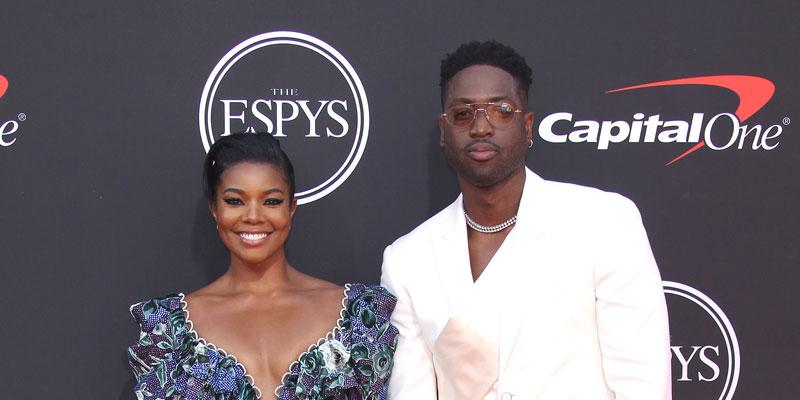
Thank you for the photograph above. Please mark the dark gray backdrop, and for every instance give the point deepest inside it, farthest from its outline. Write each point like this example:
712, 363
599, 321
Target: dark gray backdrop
101, 202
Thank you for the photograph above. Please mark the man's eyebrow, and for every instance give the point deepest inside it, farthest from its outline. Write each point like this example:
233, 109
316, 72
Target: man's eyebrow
467, 100
496, 98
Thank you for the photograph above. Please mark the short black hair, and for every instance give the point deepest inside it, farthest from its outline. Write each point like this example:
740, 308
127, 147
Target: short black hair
490, 52
237, 148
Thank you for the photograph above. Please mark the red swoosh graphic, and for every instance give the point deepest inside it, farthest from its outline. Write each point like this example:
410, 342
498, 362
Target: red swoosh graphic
753, 92
3, 85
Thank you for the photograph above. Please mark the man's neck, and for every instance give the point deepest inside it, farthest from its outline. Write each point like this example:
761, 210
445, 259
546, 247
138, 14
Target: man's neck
493, 204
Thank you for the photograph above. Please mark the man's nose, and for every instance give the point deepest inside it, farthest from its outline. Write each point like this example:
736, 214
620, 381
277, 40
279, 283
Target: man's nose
481, 126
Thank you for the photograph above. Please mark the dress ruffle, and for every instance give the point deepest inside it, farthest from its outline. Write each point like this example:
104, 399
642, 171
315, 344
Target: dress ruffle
353, 361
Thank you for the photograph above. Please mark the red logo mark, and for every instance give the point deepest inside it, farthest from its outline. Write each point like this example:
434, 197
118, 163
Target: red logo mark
753, 91
3, 85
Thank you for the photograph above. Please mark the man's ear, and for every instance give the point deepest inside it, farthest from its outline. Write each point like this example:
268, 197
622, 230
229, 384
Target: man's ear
529, 125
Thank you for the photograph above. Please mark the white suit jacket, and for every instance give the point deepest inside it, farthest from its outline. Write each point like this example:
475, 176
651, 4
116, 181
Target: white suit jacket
584, 315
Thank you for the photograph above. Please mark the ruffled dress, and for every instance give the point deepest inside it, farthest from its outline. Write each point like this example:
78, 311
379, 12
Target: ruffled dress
353, 361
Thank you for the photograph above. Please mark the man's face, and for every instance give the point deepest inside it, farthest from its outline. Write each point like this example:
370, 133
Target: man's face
480, 153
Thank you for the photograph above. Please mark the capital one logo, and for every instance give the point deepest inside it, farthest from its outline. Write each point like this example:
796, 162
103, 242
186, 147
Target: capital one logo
303, 92
718, 132
705, 349
9, 128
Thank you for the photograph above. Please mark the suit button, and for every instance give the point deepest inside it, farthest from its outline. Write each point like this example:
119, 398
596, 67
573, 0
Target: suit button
507, 396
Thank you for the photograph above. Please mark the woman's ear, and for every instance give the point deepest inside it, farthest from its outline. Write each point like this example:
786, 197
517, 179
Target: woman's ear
213, 209
293, 206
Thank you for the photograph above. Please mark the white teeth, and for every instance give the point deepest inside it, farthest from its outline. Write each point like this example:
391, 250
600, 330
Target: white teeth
253, 236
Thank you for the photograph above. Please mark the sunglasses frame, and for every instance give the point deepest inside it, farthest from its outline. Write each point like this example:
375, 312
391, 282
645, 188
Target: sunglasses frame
475, 110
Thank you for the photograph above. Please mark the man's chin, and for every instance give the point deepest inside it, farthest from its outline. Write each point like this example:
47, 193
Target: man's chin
481, 179
485, 177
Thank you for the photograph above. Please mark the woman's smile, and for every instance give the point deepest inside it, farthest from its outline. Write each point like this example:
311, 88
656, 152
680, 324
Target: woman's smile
253, 238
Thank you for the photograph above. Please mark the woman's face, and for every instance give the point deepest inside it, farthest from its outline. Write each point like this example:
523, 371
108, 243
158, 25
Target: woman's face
253, 212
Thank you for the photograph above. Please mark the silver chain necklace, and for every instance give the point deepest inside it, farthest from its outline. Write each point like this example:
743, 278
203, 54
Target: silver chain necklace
489, 229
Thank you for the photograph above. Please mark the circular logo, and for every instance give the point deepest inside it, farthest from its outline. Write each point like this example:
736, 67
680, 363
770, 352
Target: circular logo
303, 92
705, 350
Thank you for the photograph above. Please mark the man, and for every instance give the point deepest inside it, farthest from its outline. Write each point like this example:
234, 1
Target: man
522, 288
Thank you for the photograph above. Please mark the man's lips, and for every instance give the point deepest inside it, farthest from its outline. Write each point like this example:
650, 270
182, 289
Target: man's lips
481, 151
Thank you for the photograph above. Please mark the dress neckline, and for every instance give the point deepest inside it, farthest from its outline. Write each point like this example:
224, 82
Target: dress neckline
328, 336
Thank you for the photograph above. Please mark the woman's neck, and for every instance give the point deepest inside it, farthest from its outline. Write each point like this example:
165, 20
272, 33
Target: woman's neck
274, 273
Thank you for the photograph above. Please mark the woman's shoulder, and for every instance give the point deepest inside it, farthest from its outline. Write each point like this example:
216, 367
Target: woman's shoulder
368, 335
367, 311
149, 312
163, 327
164, 301
359, 294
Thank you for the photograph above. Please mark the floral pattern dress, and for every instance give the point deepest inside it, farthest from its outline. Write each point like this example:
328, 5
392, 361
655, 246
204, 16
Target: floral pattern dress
353, 361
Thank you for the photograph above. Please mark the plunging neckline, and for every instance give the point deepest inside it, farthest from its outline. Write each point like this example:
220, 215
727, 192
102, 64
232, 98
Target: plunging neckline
328, 336
499, 254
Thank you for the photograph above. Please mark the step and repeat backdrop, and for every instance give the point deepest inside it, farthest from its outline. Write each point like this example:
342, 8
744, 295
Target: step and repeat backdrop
107, 110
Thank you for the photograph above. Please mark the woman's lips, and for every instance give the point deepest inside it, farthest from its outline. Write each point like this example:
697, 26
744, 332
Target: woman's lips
253, 238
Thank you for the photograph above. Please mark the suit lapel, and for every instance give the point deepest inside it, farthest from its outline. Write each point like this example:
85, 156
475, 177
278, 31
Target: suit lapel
526, 272
452, 257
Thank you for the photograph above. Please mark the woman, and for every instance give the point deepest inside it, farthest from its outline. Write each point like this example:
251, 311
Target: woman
263, 311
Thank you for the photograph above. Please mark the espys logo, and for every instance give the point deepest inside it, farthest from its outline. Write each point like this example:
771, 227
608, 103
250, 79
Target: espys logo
705, 350
302, 91
9, 127
719, 132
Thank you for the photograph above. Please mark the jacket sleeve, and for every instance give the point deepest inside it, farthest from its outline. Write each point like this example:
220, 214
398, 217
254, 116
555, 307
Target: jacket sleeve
631, 311
413, 376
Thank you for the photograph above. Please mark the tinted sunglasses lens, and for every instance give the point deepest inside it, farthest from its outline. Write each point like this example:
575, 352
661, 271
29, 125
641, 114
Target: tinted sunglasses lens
501, 114
461, 116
